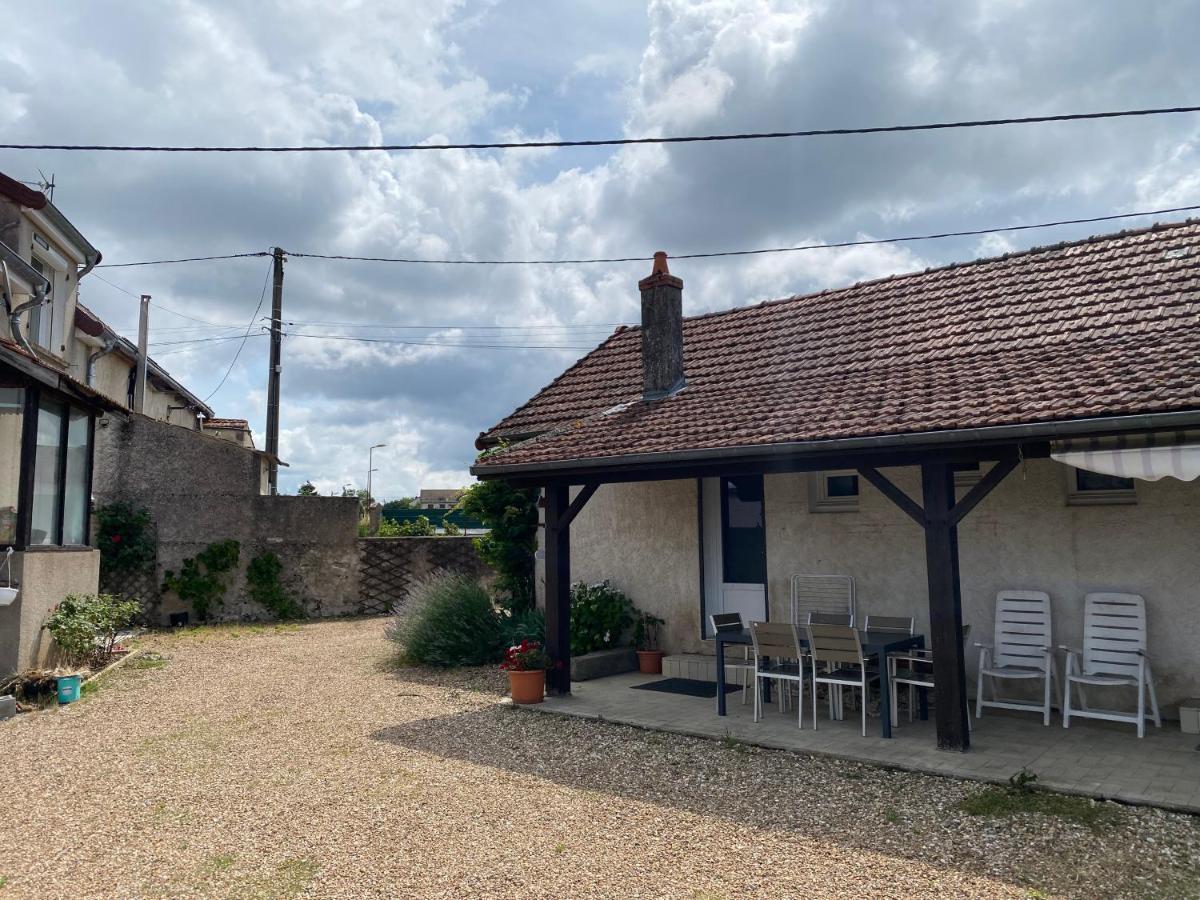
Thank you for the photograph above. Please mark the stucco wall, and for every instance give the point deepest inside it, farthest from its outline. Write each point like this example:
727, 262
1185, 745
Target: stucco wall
199, 490
45, 578
1024, 535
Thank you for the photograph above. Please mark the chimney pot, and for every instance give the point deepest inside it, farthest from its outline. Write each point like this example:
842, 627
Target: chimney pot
662, 331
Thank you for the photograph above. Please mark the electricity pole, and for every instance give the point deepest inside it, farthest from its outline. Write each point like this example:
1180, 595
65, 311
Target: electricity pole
273, 375
139, 393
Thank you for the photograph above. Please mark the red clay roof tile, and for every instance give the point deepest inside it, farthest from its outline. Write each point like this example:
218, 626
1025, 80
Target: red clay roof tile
1105, 326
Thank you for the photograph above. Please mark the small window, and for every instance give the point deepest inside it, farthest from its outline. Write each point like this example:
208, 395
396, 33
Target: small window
966, 474
1086, 488
833, 491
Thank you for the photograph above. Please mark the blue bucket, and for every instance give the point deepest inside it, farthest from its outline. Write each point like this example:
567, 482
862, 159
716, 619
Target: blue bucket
68, 688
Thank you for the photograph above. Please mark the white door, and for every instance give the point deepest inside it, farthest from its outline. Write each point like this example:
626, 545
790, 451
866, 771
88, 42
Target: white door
735, 559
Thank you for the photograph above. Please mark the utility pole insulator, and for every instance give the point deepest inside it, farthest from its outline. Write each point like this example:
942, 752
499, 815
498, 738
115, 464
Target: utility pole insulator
274, 371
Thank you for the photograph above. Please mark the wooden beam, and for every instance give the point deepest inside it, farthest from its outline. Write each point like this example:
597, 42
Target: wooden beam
982, 488
893, 493
945, 607
579, 502
558, 588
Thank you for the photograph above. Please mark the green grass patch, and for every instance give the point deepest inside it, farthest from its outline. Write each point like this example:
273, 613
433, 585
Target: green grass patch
146, 661
998, 801
291, 876
3, 881
222, 862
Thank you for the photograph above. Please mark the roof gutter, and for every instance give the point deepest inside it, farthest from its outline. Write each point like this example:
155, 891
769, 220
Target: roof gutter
91, 256
993, 434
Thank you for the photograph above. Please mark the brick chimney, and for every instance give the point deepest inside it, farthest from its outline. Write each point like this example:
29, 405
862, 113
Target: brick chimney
662, 331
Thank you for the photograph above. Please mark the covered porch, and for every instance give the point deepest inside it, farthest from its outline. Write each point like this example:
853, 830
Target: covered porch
1093, 759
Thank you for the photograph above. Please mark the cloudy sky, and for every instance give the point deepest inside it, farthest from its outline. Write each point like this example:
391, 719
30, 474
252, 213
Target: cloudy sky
306, 72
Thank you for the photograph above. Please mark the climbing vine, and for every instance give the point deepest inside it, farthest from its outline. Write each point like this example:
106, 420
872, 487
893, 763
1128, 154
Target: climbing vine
262, 581
126, 539
201, 581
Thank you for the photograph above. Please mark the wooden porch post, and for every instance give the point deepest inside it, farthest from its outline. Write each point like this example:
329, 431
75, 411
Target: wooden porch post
945, 606
558, 588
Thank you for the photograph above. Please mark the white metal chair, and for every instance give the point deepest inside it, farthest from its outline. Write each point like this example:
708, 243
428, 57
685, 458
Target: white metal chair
821, 594
839, 649
780, 643
1021, 650
1113, 655
744, 666
915, 669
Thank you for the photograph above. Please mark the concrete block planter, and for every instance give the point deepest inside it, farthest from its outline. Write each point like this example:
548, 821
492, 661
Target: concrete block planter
603, 663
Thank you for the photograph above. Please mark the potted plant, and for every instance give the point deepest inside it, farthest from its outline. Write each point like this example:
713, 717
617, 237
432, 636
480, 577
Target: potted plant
645, 639
526, 665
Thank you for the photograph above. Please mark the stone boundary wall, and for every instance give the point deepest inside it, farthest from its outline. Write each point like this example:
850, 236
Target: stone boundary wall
388, 567
200, 489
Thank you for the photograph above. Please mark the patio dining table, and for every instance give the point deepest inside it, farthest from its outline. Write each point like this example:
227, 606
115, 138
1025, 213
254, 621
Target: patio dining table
876, 644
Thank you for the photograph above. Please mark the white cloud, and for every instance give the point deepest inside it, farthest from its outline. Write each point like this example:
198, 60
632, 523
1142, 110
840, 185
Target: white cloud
181, 71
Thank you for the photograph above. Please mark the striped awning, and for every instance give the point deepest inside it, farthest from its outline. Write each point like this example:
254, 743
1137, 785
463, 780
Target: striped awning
1146, 457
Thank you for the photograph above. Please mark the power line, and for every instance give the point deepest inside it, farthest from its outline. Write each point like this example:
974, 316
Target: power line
412, 343
205, 340
246, 336
616, 142
164, 262
866, 242
601, 326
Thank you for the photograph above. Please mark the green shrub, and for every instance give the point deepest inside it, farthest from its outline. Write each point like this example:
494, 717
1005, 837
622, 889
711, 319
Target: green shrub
527, 625
388, 527
85, 626
600, 617
201, 580
262, 583
418, 527
449, 620
125, 537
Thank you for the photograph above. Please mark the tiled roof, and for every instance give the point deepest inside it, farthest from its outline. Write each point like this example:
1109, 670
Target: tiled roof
1105, 326
231, 424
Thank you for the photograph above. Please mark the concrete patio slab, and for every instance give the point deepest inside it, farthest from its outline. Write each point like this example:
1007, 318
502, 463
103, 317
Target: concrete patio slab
1094, 759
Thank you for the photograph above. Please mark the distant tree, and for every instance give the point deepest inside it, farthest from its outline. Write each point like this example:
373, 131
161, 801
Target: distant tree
308, 489
401, 503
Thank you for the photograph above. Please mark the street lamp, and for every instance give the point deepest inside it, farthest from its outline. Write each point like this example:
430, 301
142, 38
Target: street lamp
370, 469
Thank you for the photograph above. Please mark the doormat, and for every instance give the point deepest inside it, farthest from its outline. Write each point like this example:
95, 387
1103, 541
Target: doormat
688, 686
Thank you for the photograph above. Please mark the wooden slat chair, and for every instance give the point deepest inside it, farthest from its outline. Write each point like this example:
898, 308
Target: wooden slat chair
778, 657
915, 669
892, 624
828, 618
744, 666
1021, 650
1113, 655
838, 650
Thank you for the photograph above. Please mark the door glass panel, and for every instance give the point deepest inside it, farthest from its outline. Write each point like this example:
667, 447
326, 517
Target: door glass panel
76, 487
46, 487
12, 407
743, 536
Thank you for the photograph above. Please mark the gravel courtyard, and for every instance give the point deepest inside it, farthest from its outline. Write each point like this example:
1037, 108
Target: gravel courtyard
297, 761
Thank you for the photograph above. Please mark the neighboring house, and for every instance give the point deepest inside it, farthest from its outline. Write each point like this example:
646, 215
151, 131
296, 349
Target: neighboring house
438, 498
67, 432
236, 430
47, 420
729, 451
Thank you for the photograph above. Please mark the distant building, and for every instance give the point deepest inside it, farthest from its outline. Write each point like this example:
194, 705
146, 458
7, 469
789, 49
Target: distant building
236, 430
439, 498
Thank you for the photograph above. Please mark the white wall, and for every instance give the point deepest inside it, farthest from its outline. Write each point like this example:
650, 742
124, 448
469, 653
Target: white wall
643, 537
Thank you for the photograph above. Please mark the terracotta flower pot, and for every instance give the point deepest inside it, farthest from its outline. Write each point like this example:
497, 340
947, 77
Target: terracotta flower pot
527, 687
650, 662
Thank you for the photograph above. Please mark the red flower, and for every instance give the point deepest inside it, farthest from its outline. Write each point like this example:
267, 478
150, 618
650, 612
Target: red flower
116, 539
